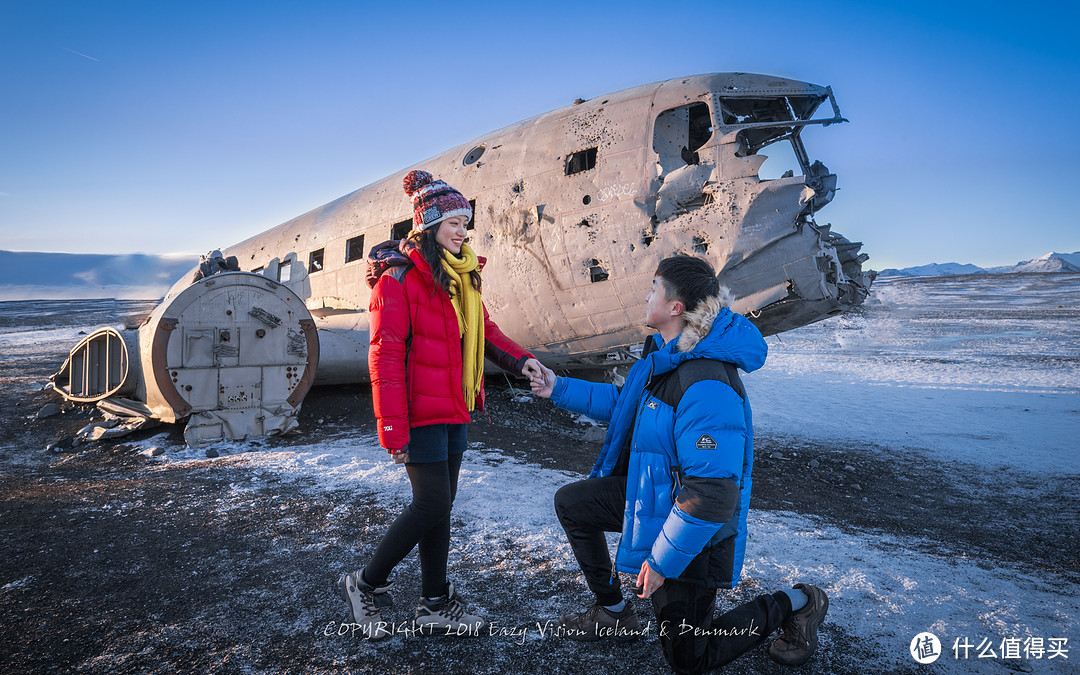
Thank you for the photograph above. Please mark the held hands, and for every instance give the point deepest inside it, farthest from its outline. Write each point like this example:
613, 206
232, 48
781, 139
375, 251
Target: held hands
543, 383
648, 580
531, 369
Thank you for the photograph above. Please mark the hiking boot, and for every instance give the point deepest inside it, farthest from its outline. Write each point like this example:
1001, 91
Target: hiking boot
798, 635
364, 602
446, 616
597, 622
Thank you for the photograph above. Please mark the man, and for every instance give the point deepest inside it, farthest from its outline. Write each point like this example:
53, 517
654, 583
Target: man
674, 478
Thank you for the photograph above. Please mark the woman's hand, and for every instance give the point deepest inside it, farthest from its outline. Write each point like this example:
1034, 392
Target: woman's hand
531, 369
543, 385
400, 455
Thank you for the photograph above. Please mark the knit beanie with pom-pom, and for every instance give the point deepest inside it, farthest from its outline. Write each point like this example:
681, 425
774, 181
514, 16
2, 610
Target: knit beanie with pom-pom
433, 200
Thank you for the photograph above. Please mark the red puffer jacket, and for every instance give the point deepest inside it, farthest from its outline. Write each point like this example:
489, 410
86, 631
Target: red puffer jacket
415, 356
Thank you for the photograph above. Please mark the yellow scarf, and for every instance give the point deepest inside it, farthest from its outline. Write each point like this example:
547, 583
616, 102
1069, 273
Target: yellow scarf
470, 316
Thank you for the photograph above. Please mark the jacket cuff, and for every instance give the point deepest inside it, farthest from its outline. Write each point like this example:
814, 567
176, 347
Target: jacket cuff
521, 363
559, 390
682, 538
393, 432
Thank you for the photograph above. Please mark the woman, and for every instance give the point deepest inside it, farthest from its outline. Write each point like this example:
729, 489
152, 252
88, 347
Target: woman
430, 333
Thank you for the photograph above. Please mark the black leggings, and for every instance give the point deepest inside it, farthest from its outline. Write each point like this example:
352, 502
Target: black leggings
425, 523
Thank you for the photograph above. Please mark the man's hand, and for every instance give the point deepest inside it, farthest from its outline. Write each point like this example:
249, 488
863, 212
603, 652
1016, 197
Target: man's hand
544, 384
648, 580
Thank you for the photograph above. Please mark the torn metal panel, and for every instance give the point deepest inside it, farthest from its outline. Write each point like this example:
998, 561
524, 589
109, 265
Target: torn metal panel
124, 407
683, 189
115, 426
209, 426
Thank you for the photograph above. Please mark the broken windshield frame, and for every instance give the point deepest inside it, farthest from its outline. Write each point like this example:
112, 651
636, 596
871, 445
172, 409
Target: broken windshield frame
763, 120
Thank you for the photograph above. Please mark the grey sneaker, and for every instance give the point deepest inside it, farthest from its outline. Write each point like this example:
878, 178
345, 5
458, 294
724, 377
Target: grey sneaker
364, 603
798, 635
446, 616
597, 622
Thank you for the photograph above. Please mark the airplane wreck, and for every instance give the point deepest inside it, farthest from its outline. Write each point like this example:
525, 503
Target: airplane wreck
573, 209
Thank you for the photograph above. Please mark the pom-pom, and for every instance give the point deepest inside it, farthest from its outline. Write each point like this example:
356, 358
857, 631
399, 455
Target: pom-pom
416, 180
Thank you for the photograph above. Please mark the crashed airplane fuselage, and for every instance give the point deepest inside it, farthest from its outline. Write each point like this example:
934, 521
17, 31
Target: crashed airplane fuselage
573, 209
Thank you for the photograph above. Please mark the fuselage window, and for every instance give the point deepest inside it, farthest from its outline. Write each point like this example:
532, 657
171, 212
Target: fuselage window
315, 261
354, 249
401, 230
474, 155
581, 161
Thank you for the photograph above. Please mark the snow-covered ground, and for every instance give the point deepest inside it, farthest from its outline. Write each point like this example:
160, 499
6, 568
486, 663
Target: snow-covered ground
978, 369
985, 370
884, 590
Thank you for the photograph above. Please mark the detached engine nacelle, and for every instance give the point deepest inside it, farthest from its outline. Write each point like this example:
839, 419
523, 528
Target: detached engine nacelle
234, 353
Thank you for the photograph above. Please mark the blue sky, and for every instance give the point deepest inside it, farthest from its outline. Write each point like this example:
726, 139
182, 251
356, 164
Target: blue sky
159, 127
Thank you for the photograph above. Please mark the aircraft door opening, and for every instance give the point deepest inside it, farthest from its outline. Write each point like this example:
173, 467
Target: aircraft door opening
678, 134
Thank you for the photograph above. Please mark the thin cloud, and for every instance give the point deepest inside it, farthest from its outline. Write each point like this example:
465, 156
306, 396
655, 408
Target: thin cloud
79, 54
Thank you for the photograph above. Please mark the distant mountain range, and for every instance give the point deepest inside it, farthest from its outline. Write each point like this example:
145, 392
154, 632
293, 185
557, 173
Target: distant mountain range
71, 276
1051, 262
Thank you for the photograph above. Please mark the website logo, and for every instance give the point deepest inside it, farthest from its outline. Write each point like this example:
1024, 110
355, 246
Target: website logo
925, 648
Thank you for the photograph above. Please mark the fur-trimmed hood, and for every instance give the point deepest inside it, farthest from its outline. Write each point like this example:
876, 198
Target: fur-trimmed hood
713, 331
700, 321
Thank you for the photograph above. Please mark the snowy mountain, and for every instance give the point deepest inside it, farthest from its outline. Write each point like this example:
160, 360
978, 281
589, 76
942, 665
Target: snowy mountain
933, 270
60, 276
1049, 263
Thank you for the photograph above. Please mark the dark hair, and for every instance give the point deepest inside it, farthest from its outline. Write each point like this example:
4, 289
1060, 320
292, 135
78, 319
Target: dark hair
433, 254
687, 278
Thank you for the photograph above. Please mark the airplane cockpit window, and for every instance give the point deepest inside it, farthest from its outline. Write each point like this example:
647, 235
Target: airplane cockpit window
780, 162
678, 134
354, 249
581, 161
315, 261
769, 121
764, 119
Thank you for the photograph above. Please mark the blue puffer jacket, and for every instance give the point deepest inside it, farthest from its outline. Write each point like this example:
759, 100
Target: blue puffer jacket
691, 453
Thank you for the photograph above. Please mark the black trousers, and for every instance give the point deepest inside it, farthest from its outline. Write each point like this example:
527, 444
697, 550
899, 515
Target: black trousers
693, 640
424, 524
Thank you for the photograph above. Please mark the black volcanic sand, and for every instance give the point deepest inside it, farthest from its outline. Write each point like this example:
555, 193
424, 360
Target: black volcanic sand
117, 563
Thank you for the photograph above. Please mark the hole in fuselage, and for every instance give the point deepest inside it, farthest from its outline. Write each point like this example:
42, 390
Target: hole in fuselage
597, 271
